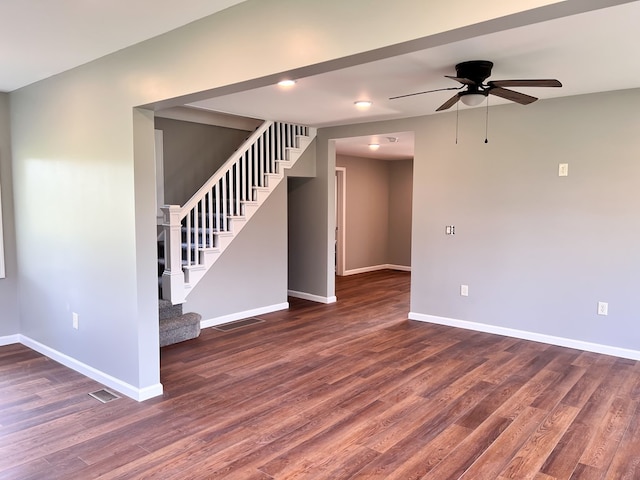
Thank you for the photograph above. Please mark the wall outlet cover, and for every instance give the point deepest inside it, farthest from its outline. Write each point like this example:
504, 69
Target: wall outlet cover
563, 170
603, 308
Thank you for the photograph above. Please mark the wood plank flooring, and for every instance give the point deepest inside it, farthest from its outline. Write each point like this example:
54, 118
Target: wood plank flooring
349, 390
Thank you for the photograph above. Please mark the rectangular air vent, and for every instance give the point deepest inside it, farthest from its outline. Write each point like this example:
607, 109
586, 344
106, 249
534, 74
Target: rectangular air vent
104, 395
238, 324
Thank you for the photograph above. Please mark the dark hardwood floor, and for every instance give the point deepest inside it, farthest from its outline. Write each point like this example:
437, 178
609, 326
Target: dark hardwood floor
349, 390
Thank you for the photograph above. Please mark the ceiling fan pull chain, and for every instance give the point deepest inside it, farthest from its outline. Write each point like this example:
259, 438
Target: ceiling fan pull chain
457, 112
486, 124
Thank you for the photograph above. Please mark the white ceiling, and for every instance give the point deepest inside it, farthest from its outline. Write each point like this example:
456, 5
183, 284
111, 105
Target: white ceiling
589, 52
40, 38
392, 146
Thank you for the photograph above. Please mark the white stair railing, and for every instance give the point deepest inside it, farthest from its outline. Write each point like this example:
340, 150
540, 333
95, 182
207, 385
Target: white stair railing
196, 233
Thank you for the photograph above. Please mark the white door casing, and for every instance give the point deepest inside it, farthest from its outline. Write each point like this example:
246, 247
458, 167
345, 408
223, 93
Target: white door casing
340, 213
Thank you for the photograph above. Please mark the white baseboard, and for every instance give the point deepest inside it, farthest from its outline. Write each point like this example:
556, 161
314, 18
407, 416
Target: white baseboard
139, 394
9, 340
536, 337
375, 268
212, 322
402, 268
311, 297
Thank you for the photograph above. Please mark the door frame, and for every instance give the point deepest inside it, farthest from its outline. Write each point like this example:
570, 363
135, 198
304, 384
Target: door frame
340, 213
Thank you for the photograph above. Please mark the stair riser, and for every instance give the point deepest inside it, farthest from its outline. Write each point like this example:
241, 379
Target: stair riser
166, 310
179, 328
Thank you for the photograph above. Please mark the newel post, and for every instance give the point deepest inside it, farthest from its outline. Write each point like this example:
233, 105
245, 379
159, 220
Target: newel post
173, 277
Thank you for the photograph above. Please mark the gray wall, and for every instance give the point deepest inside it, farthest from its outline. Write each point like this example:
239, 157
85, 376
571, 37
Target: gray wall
192, 153
367, 211
8, 294
400, 209
311, 226
252, 271
83, 164
378, 212
538, 251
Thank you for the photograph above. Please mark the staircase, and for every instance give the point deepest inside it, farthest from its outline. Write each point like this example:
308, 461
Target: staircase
174, 325
196, 234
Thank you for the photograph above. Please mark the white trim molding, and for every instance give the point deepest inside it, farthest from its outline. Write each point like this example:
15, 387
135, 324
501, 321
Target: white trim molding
232, 317
341, 219
312, 298
375, 268
523, 334
159, 154
9, 340
139, 394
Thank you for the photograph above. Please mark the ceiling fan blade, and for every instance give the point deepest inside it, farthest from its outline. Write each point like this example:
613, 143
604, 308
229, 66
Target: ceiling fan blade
464, 81
426, 91
547, 82
449, 103
512, 95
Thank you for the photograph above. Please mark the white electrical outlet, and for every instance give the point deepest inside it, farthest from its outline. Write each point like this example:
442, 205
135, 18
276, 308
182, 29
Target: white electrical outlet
464, 290
603, 308
563, 170
76, 320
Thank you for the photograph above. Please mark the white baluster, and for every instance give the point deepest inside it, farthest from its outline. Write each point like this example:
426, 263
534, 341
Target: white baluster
250, 155
189, 229
202, 237
236, 193
266, 142
210, 218
256, 163
216, 189
260, 171
281, 141
243, 178
224, 203
273, 135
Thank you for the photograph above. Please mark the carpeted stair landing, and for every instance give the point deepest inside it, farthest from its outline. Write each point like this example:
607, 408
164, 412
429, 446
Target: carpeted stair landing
175, 326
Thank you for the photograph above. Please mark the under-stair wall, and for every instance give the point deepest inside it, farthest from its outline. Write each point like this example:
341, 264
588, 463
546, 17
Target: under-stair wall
251, 278
197, 233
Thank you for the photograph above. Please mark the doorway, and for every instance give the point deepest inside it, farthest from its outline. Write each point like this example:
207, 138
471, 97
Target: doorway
373, 204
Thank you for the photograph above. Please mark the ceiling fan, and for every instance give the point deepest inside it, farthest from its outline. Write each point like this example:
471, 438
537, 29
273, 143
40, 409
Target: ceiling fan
473, 91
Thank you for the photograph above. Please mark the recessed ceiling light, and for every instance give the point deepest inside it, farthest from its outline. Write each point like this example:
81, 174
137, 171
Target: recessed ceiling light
374, 146
286, 83
363, 104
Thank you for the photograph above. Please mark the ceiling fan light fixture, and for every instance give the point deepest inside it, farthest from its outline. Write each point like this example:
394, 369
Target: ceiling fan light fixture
363, 104
472, 99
